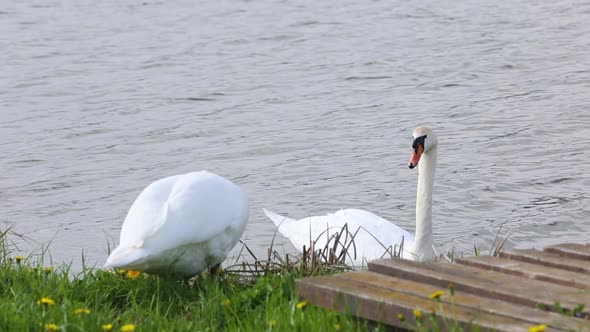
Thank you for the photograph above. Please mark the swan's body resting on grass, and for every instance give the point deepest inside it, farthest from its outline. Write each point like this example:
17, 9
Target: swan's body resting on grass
375, 234
180, 225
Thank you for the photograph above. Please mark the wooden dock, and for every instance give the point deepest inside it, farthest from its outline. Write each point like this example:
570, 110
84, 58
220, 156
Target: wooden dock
512, 292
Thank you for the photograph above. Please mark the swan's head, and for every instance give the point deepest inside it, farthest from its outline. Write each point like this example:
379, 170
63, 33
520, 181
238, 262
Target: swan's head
424, 141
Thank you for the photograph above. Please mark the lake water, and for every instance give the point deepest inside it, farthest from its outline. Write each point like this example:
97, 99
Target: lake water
308, 105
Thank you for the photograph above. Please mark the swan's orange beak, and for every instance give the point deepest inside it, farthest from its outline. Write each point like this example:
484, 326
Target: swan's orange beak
415, 156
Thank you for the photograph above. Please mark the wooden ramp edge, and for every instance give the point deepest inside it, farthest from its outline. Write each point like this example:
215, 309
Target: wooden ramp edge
573, 250
503, 293
529, 271
546, 259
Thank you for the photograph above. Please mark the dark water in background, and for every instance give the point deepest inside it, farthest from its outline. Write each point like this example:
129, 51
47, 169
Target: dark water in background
308, 105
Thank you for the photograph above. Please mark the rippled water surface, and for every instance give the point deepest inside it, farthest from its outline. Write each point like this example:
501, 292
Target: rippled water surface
308, 105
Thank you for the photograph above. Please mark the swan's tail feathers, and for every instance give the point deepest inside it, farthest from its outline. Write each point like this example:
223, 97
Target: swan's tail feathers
277, 219
124, 258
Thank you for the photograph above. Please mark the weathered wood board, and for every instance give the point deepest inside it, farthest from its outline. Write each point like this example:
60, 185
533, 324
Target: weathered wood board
511, 292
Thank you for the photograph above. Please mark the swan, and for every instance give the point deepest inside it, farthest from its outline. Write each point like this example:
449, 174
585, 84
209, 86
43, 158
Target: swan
180, 225
376, 234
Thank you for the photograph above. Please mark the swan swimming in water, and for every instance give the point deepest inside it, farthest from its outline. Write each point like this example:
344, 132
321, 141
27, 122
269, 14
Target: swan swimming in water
180, 225
376, 234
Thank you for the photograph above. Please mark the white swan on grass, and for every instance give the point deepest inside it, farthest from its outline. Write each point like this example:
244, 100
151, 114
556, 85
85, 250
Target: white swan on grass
375, 235
180, 225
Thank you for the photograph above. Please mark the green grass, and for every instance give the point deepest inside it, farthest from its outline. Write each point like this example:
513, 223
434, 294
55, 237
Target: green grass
206, 303
263, 301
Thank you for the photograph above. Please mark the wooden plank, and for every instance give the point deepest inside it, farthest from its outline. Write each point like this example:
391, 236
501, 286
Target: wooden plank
573, 250
382, 305
529, 270
485, 283
547, 259
533, 316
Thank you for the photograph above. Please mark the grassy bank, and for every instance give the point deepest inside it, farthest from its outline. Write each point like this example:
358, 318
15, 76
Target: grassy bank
257, 296
37, 297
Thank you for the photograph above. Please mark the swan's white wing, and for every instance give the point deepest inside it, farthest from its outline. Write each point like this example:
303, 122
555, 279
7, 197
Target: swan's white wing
386, 231
377, 236
147, 212
373, 235
185, 209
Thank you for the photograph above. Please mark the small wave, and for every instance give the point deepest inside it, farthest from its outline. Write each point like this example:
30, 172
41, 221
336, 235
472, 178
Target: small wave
354, 78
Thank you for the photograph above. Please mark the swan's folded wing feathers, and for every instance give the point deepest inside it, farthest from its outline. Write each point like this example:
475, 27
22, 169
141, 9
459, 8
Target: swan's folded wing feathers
200, 206
372, 222
277, 219
377, 234
147, 212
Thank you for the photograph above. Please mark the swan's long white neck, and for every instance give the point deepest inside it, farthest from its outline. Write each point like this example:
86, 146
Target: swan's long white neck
423, 243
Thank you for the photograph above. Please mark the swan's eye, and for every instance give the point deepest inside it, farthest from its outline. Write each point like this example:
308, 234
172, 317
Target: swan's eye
418, 141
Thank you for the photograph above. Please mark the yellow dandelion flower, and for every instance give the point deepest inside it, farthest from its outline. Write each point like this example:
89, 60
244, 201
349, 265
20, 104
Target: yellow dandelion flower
46, 301
80, 311
401, 317
107, 327
337, 327
132, 274
51, 327
225, 303
537, 328
302, 304
48, 269
128, 328
18, 259
417, 313
436, 295
271, 323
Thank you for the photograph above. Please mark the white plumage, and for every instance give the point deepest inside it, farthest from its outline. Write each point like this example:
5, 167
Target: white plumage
181, 225
376, 237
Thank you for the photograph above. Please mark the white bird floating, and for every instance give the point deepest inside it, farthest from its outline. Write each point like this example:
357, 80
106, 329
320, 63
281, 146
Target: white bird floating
180, 225
375, 237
